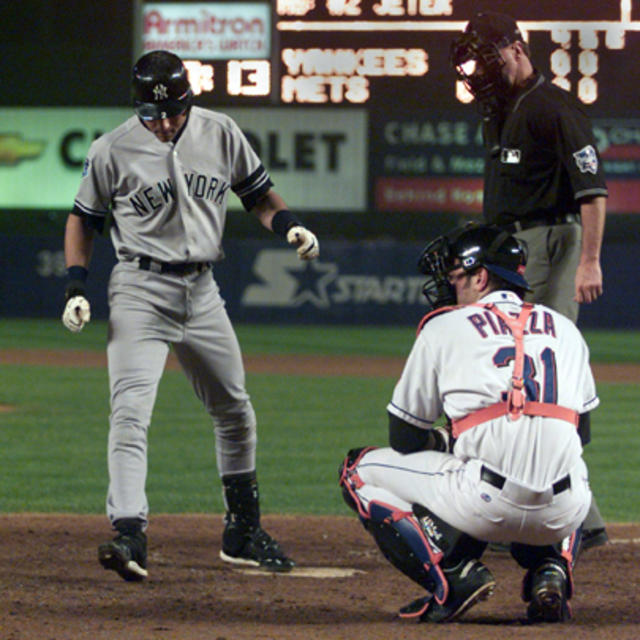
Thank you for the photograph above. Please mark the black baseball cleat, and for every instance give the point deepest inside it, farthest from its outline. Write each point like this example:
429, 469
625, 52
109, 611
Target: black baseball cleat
253, 547
469, 583
548, 594
126, 554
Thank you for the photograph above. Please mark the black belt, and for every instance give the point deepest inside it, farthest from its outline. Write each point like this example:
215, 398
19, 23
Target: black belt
177, 268
497, 481
544, 221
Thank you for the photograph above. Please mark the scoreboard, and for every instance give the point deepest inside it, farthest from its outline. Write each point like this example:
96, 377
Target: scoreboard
372, 52
374, 77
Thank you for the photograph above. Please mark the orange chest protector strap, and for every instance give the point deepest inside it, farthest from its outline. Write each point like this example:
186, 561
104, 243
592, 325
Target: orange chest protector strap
516, 403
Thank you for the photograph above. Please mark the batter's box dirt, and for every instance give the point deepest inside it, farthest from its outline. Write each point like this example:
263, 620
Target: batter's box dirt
53, 587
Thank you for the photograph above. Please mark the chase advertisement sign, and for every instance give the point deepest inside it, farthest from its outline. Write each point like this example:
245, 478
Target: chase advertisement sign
434, 162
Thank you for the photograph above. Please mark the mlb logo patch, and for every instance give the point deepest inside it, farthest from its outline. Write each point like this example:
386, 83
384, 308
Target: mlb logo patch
586, 159
510, 156
85, 167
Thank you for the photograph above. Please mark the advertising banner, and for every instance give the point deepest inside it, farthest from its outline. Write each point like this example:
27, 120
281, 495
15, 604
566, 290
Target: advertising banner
209, 30
434, 163
317, 159
365, 283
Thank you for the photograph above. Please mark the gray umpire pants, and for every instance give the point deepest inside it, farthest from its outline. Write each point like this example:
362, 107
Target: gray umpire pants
148, 312
554, 254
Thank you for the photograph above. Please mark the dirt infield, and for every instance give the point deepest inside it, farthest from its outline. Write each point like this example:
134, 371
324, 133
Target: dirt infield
53, 587
304, 365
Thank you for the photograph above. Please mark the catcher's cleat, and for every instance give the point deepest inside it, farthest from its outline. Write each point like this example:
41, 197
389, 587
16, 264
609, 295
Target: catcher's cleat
253, 547
469, 583
126, 554
548, 595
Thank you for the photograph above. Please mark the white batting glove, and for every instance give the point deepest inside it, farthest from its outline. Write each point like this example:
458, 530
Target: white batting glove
76, 313
306, 241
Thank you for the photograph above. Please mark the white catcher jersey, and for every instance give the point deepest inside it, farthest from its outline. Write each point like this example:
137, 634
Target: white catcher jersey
462, 361
169, 199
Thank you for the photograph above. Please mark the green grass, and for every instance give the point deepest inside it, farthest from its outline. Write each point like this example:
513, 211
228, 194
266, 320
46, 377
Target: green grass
605, 346
254, 339
53, 446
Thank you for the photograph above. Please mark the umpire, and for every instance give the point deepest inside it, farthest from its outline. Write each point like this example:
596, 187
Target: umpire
543, 179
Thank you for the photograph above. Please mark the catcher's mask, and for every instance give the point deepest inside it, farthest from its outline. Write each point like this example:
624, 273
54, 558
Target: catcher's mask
471, 247
475, 56
160, 86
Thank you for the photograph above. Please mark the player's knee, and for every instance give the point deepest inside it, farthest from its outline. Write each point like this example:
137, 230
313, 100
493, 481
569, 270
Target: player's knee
127, 433
238, 416
349, 480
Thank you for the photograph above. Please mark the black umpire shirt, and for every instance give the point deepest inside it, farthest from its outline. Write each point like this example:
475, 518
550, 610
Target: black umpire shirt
546, 159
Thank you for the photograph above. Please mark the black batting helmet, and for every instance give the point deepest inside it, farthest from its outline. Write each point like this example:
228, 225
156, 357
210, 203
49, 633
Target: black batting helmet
470, 247
160, 86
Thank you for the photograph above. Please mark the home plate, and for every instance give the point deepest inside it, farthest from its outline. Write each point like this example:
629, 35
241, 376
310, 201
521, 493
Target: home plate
305, 572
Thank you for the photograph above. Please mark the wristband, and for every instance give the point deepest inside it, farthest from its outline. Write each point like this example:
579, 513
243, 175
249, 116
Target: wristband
282, 221
77, 273
76, 280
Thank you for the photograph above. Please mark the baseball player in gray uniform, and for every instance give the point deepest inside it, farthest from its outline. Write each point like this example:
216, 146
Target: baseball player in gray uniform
513, 380
164, 176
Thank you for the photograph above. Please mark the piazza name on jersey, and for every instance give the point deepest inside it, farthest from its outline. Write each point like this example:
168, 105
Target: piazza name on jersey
488, 323
199, 186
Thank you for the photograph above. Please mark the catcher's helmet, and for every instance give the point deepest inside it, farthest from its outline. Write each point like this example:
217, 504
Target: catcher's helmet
471, 247
161, 87
475, 54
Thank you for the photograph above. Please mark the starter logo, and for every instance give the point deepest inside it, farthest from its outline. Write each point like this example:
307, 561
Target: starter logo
285, 281
289, 282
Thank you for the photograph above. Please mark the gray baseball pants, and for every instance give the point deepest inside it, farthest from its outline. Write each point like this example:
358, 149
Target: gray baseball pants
148, 312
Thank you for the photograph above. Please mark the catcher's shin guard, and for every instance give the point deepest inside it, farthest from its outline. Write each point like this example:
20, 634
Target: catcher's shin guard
405, 544
455, 545
398, 534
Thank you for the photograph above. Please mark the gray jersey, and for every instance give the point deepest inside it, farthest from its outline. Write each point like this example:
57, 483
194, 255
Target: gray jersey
169, 199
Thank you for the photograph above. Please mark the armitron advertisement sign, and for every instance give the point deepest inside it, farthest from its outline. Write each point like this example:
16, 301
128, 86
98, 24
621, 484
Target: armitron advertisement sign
208, 30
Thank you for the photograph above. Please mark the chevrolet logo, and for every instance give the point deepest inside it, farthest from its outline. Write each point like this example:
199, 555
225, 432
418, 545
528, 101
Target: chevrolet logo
14, 149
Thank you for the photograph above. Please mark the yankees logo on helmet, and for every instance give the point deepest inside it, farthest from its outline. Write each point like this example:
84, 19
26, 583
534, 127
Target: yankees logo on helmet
160, 92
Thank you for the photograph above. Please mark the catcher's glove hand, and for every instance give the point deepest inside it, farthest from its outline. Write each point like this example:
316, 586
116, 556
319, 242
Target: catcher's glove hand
305, 240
